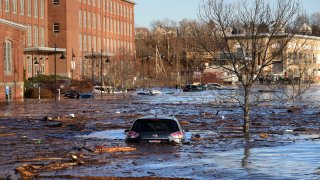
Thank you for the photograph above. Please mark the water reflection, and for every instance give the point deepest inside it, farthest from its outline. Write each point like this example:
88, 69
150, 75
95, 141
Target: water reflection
245, 159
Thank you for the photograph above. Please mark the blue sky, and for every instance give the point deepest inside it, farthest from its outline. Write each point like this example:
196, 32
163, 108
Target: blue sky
148, 10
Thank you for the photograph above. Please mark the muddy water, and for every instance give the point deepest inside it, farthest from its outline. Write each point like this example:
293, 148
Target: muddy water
289, 150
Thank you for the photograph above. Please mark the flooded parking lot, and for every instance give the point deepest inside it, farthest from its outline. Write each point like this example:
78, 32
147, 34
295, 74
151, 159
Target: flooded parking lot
283, 145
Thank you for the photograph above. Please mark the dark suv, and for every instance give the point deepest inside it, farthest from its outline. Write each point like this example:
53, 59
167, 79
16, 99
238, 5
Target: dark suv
156, 129
193, 88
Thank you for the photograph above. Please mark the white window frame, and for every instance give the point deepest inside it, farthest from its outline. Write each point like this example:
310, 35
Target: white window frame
42, 37
36, 35
29, 8
35, 6
14, 6
80, 18
22, 7
7, 56
7, 5
42, 9
84, 19
29, 36
80, 41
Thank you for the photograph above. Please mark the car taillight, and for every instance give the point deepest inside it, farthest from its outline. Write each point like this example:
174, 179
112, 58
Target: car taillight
133, 134
177, 135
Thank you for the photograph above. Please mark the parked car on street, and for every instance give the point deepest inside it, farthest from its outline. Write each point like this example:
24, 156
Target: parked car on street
193, 88
156, 129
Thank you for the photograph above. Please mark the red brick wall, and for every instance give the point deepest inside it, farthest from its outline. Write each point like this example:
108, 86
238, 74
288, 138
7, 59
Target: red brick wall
15, 81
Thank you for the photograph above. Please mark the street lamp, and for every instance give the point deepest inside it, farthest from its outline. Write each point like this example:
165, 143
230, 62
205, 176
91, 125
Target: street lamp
109, 78
73, 64
33, 63
55, 69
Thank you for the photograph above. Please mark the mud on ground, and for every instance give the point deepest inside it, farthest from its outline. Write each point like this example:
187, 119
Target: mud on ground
43, 139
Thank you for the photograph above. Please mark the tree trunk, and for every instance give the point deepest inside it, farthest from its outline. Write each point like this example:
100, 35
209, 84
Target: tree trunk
246, 111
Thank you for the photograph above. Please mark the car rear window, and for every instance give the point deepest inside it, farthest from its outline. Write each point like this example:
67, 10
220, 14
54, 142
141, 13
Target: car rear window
150, 125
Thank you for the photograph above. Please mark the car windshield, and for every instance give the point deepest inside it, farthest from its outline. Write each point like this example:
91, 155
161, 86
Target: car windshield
147, 125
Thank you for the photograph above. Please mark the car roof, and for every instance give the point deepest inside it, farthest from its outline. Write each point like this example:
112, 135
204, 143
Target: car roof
156, 117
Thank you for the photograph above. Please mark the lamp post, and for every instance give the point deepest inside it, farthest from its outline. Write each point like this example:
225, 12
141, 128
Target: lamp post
73, 65
109, 81
55, 71
36, 63
101, 72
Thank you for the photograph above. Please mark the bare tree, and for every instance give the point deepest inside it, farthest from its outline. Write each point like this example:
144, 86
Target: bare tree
245, 34
122, 70
315, 23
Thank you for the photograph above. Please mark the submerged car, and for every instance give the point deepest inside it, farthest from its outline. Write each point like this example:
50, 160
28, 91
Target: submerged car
213, 86
193, 88
72, 94
85, 95
101, 89
156, 129
150, 92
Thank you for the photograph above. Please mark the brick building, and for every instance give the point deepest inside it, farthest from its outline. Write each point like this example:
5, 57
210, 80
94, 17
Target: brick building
11, 72
76, 27
73, 27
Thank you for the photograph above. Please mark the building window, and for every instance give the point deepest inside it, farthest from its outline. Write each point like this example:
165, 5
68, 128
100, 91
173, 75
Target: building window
29, 35
85, 43
80, 18
99, 22
80, 41
43, 66
42, 37
14, 6
41, 9
55, 2
36, 37
104, 23
56, 28
21, 7
99, 43
7, 6
89, 42
94, 21
89, 19
84, 19
7, 57
29, 64
29, 7
94, 43
35, 6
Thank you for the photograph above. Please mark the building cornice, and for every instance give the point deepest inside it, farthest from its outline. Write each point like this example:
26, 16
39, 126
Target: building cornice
129, 1
13, 24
